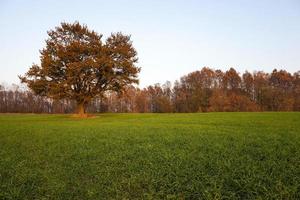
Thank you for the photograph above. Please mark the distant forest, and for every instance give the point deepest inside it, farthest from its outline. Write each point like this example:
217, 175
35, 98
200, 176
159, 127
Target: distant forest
207, 90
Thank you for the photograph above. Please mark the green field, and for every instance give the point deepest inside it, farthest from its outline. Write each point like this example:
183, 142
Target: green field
150, 156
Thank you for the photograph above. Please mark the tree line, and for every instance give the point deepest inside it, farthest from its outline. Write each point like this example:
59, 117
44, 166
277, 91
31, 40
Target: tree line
79, 68
206, 90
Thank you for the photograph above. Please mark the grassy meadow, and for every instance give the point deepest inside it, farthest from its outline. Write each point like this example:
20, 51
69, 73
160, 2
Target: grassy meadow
150, 156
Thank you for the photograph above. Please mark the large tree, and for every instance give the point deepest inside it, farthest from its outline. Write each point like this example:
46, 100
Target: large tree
76, 64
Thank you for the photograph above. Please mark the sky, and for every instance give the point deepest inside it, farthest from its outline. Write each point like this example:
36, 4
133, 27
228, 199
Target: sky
172, 37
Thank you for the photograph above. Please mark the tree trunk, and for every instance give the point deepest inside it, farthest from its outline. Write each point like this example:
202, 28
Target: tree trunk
81, 110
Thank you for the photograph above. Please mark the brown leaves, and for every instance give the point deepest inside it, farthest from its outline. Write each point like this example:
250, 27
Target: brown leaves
76, 64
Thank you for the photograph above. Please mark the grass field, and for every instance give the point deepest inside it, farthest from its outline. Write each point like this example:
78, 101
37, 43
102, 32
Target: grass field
150, 156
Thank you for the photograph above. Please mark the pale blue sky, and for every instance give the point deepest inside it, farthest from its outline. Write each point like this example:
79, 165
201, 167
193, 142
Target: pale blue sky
172, 37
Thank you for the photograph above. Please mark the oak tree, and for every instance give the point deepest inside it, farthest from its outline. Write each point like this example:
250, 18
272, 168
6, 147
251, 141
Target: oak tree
77, 65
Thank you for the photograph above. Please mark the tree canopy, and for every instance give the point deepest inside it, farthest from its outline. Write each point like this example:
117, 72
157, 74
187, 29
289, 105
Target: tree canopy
76, 64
